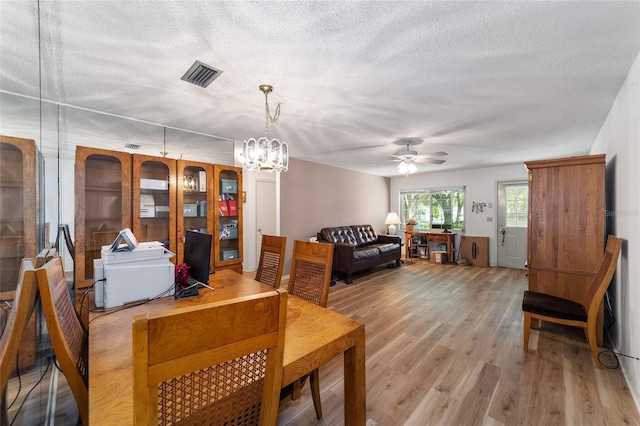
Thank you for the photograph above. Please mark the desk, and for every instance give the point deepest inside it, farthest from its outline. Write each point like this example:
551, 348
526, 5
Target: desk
433, 237
313, 336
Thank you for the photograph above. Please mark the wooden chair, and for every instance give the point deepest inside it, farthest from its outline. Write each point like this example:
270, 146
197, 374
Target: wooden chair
310, 279
215, 364
562, 311
17, 320
66, 331
271, 260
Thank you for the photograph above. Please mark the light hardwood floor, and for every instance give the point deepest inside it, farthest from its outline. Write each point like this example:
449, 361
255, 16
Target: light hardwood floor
444, 347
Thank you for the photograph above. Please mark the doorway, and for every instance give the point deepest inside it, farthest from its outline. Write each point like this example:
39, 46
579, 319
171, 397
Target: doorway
513, 199
265, 212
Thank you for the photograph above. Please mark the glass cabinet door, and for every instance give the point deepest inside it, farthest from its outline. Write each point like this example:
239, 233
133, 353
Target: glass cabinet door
103, 206
154, 200
195, 197
228, 238
18, 216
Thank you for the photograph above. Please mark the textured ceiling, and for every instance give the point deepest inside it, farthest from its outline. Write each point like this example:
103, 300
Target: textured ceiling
488, 82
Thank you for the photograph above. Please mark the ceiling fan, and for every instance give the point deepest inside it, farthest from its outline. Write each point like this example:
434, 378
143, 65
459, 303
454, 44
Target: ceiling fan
407, 157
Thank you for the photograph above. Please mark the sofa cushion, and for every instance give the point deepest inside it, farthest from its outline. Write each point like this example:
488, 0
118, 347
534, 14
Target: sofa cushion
339, 235
366, 253
387, 248
364, 234
552, 306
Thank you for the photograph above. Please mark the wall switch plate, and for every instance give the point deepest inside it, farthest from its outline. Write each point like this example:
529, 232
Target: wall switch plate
489, 219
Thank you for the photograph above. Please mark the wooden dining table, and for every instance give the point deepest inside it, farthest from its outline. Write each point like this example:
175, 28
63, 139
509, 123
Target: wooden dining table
313, 336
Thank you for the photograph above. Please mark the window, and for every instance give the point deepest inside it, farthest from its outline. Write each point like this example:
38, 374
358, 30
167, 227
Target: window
441, 208
516, 204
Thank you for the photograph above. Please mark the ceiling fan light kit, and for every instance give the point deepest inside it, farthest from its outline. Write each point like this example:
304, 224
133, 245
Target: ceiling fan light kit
408, 157
264, 154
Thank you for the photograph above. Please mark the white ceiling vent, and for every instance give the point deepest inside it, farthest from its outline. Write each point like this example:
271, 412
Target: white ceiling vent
132, 146
201, 74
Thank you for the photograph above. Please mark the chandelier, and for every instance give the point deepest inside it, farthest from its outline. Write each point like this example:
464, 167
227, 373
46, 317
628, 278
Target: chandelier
264, 154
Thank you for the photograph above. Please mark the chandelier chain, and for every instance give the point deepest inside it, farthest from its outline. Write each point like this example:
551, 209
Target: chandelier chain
268, 118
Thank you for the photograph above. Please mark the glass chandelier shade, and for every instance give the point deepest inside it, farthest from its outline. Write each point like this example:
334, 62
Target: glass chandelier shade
264, 154
407, 167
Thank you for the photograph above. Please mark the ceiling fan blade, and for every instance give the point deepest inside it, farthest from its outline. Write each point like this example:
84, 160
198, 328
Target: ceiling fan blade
432, 154
429, 160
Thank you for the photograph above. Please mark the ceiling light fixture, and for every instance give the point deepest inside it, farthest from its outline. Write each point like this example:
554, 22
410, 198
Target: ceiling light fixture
406, 167
265, 155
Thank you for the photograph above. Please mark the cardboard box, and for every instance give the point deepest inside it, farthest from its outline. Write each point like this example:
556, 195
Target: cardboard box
475, 250
228, 186
157, 184
228, 254
190, 210
147, 206
202, 181
229, 233
438, 257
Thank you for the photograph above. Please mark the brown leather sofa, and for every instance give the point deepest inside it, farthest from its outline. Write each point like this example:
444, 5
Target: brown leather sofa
358, 247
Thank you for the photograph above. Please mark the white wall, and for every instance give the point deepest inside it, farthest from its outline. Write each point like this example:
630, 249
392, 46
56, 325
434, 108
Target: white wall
315, 196
619, 139
481, 186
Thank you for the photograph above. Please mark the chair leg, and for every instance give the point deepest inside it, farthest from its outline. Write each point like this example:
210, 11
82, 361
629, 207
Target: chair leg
297, 387
4, 418
315, 392
527, 330
593, 341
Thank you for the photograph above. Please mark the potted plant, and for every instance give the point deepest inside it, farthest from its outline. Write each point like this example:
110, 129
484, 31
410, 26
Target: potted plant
410, 225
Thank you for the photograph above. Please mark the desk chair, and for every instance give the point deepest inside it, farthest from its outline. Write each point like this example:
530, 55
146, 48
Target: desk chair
309, 279
18, 318
66, 331
219, 363
562, 311
271, 260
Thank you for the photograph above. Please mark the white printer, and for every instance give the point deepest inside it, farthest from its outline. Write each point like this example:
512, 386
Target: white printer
132, 272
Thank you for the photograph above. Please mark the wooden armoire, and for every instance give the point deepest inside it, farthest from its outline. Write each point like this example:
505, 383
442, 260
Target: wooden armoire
566, 225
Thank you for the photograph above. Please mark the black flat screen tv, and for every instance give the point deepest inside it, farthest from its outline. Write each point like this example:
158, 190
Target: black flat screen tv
197, 255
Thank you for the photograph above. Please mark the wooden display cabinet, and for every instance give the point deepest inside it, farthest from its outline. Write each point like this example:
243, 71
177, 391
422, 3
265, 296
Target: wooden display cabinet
195, 202
102, 206
566, 226
18, 224
228, 229
18, 214
154, 200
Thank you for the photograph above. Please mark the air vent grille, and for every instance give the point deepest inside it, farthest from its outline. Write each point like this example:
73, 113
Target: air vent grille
132, 146
201, 74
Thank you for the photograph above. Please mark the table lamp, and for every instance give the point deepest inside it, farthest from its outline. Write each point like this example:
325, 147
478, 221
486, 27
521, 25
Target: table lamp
392, 221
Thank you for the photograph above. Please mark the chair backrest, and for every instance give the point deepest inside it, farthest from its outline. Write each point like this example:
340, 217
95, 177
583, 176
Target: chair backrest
602, 279
310, 275
17, 320
271, 260
68, 335
219, 363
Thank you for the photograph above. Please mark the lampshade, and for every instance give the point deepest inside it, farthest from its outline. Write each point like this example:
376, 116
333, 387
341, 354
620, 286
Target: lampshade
392, 220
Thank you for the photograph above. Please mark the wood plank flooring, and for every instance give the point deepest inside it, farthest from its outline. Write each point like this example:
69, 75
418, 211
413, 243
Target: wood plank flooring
444, 347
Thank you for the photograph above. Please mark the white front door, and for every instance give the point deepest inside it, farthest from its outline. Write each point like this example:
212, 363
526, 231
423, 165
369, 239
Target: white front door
513, 198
